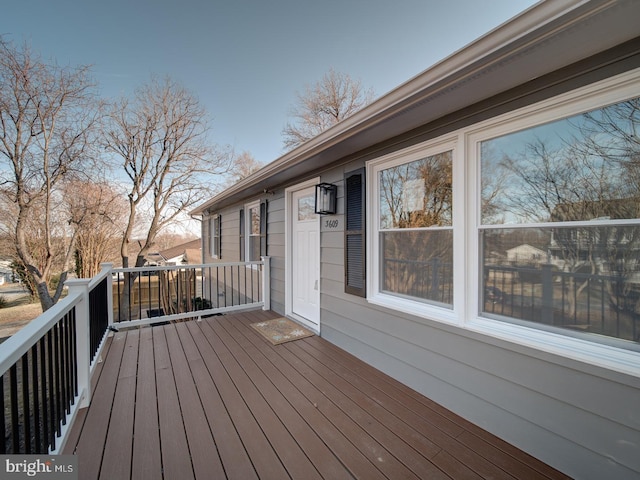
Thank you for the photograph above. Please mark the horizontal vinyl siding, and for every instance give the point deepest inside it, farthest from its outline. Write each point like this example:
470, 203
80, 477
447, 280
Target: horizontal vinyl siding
276, 250
230, 233
579, 419
206, 239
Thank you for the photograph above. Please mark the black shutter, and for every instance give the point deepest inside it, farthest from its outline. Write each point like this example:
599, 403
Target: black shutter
263, 228
354, 234
242, 245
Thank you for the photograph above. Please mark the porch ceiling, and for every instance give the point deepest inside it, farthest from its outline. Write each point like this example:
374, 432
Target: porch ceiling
213, 399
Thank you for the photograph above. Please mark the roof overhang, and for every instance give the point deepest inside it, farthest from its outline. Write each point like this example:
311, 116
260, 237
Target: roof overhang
546, 37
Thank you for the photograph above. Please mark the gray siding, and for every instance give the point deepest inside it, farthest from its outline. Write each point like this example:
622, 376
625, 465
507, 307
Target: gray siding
230, 233
276, 249
275, 243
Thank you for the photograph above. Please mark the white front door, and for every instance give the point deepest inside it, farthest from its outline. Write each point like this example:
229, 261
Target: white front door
305, 258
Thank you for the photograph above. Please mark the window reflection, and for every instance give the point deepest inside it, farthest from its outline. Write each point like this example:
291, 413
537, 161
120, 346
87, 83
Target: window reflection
416, 238
584, 275
306, 208
254, 234
254, 215
417, 194
582, 279
581, 168
418, 264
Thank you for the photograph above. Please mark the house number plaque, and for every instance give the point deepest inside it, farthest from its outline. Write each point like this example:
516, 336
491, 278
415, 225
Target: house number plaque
332, 223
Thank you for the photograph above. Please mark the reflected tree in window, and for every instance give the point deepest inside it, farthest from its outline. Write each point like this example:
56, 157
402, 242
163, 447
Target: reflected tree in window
611, 134
415, 234
581, 177
417, 194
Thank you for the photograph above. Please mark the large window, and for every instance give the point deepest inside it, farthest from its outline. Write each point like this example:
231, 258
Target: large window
525, 226
413, 227
560, 230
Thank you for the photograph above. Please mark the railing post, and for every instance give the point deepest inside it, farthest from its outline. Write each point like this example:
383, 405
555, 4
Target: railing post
266, 285
80, 287
435, 278
109, 266
547, 293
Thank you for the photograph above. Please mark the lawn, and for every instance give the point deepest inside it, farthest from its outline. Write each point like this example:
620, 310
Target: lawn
19, 311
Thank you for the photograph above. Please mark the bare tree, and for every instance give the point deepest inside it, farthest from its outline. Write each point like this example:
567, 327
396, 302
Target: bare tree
100, 212
588, 171
47, 116
324, 104
243, 165
160, 141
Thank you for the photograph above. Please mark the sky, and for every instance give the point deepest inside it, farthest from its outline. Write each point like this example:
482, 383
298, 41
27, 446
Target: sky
245, 60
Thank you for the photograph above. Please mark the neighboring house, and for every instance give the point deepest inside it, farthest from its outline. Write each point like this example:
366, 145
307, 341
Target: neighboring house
526, 253
183, 254
395, 276
6, 273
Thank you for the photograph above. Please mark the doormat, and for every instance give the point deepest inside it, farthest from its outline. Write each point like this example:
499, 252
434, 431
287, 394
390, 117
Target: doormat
281, 330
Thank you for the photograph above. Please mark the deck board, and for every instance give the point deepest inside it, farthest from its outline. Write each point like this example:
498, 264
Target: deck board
284, 444
202, 446
116, 459
147, 462
397, 414
230, 447
214, 399
384, 451
259, 450
176, 459
407, 404
280, 397
339, 450
96, 421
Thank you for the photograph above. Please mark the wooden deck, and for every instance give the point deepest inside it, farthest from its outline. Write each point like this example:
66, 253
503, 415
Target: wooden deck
214, 400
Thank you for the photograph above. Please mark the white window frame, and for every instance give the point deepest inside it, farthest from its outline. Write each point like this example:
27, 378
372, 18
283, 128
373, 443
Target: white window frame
247, 229
607, 92
374, 293
465, 144
213, 244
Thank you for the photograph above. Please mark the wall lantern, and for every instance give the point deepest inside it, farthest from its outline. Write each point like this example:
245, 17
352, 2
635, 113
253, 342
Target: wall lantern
326, 199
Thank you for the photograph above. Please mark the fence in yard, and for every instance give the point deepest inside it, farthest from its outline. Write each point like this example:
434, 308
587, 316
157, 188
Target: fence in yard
588, 302
46, 367
593, 303
428, 280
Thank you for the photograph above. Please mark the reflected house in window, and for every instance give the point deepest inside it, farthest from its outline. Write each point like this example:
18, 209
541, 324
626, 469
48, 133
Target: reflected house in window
526, 254
608, 249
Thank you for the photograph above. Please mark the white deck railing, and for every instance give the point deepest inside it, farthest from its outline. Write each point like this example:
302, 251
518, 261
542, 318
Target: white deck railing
46, 367
148, 295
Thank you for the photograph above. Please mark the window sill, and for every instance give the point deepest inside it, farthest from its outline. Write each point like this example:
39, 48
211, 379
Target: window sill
584, 351
419, 309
